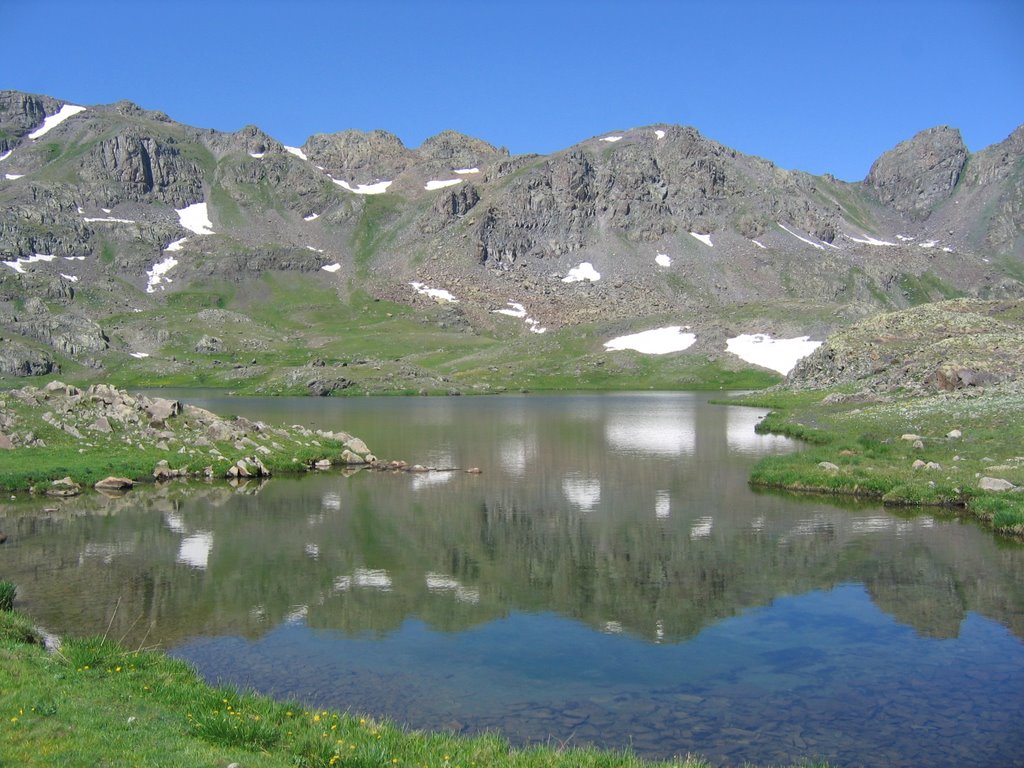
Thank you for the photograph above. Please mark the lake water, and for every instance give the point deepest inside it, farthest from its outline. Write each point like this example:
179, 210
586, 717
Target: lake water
609, 578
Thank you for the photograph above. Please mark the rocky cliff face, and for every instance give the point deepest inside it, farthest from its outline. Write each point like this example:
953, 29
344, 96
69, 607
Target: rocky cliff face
918, 174
128, 209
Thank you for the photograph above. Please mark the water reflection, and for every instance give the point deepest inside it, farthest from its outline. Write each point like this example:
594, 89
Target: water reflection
548, 583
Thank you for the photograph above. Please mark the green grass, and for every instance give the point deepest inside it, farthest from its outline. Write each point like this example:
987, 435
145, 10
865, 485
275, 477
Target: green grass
865, 441
371, 231
97, 703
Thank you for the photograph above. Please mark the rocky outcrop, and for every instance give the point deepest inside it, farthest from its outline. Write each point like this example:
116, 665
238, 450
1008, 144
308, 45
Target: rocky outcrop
19, 359
22, 113
951, 345
195, 441
359, 157
918, 174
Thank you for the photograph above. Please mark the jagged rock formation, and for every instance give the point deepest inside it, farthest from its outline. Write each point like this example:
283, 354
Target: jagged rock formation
137, 210
917, 174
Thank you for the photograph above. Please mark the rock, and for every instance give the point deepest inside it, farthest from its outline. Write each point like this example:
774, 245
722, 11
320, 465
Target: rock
933, 465
322, 464
347, 457
918, 464
100, 425
64, 487
324, 387
995, 484
160, 409
162, 471
356, 445
828, 466
5, 442
209, 344
919, 173
918, 445
954, 434
910, 437
474, 471
113, 484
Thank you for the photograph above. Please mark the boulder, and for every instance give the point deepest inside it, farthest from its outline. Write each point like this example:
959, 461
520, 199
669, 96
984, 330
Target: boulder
114, 484
995, 484
954, 434
5, 442
356, 445
828, 466
64, 487
100, 425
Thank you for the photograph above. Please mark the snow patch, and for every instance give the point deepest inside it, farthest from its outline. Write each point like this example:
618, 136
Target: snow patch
663, 260
377, 188
584, 271
331, 267
819, 246
777, 354
297, 152
758, 243
54, 120
519, 311
441, 184
314, 250
176, 245
659, 133
658, 341
72, 278
195, 218
6, 154
904, 238
257, 155
437, 294
74, 258
18, 264
139, 355
611, 139
928, 244
869, 240
13, 176
311, 217
461, 171
706, 239
156, 275
112, 219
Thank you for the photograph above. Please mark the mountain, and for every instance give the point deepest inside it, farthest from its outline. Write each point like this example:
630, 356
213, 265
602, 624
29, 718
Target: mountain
154, 252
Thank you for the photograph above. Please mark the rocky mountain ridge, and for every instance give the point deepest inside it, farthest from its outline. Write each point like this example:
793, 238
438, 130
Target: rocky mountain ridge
115, 211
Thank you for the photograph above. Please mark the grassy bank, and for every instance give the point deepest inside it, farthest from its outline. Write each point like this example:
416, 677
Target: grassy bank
61, 431
921, 451
96, 703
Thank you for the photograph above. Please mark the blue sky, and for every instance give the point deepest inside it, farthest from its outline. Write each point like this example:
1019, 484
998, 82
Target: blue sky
820, 86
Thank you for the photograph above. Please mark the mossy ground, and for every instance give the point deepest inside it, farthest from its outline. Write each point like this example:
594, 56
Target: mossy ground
865, 441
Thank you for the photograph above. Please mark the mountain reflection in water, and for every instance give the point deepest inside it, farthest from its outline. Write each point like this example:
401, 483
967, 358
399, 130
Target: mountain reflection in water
610, 569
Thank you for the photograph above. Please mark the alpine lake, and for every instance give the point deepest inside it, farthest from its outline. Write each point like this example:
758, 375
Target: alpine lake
609, 577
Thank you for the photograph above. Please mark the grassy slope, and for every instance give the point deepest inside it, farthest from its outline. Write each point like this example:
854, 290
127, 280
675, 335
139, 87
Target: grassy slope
865, 440
272, 327
95, 703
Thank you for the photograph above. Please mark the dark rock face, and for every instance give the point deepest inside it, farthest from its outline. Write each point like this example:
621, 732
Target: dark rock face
133, 166
453, 151
359, 157
18, 359
918, 174
22, 113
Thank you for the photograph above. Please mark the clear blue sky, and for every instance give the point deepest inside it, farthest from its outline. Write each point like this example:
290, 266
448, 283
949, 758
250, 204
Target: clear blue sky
823, 86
